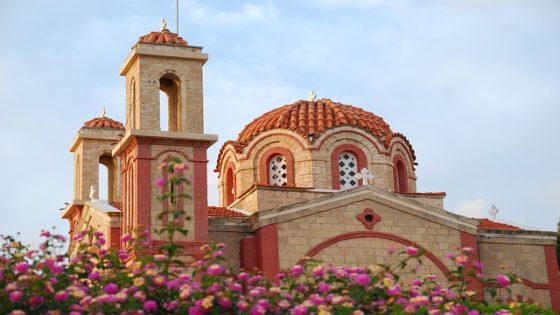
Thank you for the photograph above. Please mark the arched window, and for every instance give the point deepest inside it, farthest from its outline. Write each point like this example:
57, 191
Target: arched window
346, 161
170, 115
278, 171
229, 191
276, 168
399, 175
347, 170
107, 178
175, 202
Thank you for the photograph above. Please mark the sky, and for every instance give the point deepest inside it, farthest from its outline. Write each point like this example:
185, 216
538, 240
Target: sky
473, 84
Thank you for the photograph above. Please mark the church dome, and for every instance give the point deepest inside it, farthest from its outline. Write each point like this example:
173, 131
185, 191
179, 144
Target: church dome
103, 123
312, 118
163, 37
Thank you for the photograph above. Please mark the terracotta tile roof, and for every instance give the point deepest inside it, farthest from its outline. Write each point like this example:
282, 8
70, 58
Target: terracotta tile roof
400, 135
164, 37
489, 224
224, 212
314, 118
103, 123
426, 194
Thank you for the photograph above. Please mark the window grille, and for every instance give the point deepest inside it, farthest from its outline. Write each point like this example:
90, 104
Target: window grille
347, 169
278, 171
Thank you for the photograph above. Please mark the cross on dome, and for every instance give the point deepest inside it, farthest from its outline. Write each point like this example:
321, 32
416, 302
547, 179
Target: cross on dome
163, 25
365, 176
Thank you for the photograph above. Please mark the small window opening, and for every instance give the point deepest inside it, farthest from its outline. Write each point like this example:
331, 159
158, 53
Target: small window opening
348, 169
369, 217
401, 184
230, 187
278, 171
107, 178
169, 104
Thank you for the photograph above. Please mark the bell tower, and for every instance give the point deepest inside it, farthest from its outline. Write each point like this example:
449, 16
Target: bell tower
163, 62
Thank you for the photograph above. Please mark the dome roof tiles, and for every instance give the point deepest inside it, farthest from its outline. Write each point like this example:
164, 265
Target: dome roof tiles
163, 37
312, 118
103, 123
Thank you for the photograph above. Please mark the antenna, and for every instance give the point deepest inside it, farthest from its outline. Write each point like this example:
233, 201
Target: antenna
177, 17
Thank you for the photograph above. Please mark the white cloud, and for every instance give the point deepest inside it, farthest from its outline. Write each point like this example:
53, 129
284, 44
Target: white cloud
248, 13
471, 208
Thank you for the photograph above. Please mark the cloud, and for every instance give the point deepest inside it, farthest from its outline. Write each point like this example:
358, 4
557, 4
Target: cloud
247, 14
471, 208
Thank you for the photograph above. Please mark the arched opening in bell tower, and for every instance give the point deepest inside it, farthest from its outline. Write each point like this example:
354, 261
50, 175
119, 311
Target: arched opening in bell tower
170, 114
107, 178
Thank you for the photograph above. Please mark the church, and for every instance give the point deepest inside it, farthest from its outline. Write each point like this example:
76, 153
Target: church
316, 178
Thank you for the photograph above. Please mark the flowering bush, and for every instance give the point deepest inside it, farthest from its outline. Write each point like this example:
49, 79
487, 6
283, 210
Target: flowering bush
97, 281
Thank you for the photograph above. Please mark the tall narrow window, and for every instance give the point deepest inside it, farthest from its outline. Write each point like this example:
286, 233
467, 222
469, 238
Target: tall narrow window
175, 201
278, 171
103, 182
107, 178
170, 103
347, 169
229, 187
400, 176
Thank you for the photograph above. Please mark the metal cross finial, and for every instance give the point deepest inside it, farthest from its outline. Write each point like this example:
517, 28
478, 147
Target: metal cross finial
493, 211
311, 96
103, 111
163, 25
365, 176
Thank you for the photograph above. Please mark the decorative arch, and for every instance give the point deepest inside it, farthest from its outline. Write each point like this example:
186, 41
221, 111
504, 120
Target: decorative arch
400, 174
167, 203
265, 159
259, 139
365, 136
360, 156
371, 234
229, 184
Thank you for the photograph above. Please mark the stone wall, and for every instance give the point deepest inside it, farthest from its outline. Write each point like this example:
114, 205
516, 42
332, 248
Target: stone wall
298, 236
229, 232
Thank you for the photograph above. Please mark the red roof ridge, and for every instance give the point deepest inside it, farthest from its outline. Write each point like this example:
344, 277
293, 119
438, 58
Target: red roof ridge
225, 212
485, 223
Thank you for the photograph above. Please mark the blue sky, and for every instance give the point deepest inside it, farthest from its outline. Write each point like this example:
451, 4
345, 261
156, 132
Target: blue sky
473, 84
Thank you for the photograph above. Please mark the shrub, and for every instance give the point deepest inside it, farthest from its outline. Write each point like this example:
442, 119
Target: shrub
96, 281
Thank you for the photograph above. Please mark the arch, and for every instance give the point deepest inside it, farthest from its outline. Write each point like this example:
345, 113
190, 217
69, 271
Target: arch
337, 152
170, 85
259, 139
229, 185
111, 181
171, 187
264, 162
371, 234
400, 176
367, 137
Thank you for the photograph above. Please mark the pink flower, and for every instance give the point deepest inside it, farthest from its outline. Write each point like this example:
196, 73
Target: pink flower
94, 275
160, 182
362, 279
15, 296
122, 254
243, 276
503, 280
21, 267
391, 250
474, 312
61, 296
180, 167
163, 165
214, 270
323, 287
411, 251
394, 290
225, 302
299, 310
125, 238
36, 300
217, 254
111, 288
296, 270
150, 306
461, 260
159, 280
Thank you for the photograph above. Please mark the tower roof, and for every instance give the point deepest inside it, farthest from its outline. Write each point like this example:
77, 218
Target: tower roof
315, 117
164, 37
103, 123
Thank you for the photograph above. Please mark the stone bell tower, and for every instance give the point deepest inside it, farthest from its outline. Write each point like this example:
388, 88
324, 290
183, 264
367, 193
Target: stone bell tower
164, 62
